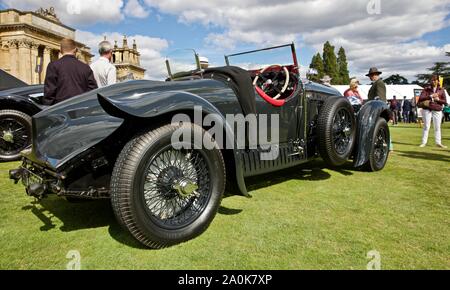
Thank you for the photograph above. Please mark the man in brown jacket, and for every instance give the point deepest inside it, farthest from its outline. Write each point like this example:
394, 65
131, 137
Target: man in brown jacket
378, 89
67, 77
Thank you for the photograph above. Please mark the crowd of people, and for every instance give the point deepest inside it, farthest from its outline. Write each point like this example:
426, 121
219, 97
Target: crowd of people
404, 111
430, 107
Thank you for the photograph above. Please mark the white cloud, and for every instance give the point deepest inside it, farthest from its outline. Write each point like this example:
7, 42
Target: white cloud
390, 40
150, 48
75, 12
408, 59
134, 9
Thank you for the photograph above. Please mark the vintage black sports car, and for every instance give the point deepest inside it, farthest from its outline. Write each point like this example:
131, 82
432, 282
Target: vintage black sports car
17, 105
117, 142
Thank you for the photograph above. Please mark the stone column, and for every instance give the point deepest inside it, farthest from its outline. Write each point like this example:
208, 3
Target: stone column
4, 56
134, 58
118, 57
33, 59
126, 56
13, 58
45, 63
25, 61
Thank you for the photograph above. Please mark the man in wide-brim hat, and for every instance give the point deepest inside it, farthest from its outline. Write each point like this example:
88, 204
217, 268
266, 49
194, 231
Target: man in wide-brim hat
378, 89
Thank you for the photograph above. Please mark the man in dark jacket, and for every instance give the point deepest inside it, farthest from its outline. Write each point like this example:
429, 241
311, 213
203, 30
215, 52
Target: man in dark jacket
394, 109
407, 108
67, 77
378, 89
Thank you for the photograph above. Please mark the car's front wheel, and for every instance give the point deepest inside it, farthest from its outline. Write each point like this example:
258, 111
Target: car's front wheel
163, 194
15, 134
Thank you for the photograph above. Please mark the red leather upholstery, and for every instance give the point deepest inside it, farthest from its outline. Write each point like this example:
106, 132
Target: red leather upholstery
276, 103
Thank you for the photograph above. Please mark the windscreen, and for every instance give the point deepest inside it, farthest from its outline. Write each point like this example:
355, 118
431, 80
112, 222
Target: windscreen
181, 61
255, 60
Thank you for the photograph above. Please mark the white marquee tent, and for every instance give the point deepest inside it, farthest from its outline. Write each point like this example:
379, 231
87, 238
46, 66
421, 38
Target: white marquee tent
399, 91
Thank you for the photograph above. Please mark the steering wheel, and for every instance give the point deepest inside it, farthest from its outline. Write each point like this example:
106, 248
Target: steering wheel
272, 82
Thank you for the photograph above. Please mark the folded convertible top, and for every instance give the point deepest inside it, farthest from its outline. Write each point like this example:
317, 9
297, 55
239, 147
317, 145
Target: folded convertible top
240, 81
8, 81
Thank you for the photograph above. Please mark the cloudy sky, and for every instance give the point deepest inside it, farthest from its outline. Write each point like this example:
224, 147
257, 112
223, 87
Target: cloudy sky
398, 36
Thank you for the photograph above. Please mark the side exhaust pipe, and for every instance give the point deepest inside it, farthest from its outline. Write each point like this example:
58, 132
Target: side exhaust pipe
16, 175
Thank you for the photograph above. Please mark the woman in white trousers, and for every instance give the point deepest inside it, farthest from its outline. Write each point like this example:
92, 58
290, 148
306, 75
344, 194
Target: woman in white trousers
432, 100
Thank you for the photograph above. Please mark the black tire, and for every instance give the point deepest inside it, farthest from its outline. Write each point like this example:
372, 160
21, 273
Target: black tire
15, 134
379, 152
336, 134
142, 187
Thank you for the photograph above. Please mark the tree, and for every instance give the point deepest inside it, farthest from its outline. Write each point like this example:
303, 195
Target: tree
330, 63
396, 80
317, 64
440, 68
344, 75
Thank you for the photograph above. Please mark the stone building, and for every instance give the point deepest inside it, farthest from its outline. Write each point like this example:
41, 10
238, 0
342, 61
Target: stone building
29, 41
127, 61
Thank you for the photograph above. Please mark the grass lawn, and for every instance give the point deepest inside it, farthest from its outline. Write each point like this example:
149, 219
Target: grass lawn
297, 219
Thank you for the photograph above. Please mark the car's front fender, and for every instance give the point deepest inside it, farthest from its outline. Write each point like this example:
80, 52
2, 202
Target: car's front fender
153, 105
367, 119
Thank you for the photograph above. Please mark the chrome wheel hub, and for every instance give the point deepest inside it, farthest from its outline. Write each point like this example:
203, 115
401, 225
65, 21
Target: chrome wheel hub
8, 136
185, 187
347, 131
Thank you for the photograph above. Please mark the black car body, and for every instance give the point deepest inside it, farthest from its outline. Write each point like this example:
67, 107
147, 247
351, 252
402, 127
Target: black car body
104, 143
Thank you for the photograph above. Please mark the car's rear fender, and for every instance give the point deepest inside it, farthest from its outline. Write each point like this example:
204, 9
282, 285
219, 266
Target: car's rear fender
367, 119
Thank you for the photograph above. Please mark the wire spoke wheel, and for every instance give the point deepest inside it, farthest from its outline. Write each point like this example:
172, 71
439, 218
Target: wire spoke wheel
176, 187
381, 147
165, 194
342, 127
379, 152
15, 134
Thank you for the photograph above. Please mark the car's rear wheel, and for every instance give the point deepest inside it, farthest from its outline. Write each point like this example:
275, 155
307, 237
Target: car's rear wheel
162, 194
379, 151
336, 131
15, 134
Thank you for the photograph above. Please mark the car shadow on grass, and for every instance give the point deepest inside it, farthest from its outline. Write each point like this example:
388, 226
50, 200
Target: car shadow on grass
425, 155
74, 216
79, 216
402, 143
53, 211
